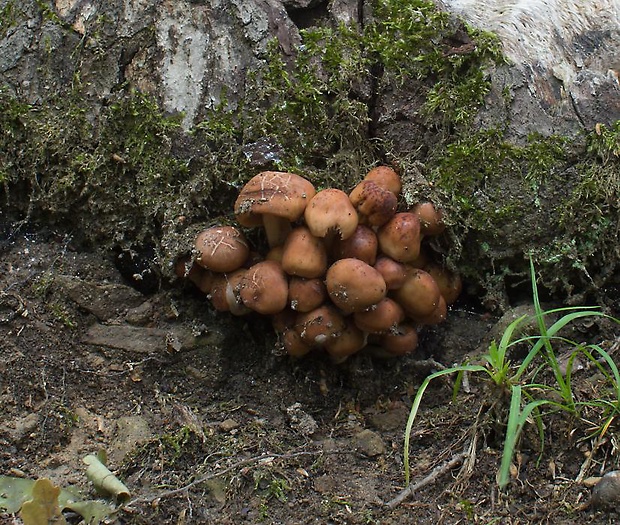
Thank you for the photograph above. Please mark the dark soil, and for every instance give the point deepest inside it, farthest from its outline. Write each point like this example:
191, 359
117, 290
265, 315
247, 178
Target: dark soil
206, 421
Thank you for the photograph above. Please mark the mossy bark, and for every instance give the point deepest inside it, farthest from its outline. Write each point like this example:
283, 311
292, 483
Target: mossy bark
132, 126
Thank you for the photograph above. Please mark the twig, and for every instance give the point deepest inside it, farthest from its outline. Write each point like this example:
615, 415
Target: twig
435, 473
239, 464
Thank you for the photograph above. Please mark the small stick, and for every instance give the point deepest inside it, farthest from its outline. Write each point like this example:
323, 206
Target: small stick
435, 473
212, 475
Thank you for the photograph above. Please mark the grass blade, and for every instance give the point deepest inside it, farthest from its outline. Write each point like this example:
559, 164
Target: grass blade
416, 405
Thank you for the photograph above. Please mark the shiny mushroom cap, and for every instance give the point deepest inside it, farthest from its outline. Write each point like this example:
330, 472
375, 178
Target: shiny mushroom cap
273, 199
304, 254
330, 212
221, 249
353, 285
400, 238
385, 177
304, 295
419, 295
380, 318
375, 205
320, 325
363, 245
431, 218
264, 288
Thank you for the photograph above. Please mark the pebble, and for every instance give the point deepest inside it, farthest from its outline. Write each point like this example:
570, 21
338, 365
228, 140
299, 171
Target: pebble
301, 421
369, 443
228, 425
606, 493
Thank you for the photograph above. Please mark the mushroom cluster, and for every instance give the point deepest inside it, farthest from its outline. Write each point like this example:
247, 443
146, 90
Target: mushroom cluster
342, 272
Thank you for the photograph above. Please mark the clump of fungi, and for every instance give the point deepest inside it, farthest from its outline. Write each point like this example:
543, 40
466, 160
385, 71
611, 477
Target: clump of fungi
343, 272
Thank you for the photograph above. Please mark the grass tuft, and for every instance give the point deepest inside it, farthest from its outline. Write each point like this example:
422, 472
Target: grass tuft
531, 397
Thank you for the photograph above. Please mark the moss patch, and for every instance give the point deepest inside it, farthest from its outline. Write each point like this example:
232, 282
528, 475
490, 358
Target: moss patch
138, 180
549, 198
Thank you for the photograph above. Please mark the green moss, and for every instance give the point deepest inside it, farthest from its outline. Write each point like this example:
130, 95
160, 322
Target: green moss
138, 178
318, 104
49, 14
500, 194
10, 15
591, 212
470, 172
315, 110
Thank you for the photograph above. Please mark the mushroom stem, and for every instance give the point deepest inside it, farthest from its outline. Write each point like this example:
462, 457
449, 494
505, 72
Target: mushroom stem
277, 229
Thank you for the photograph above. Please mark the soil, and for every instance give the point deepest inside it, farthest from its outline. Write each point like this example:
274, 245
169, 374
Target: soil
206, 421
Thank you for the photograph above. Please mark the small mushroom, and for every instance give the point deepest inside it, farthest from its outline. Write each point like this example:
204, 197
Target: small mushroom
437, 316
386, 315
393, 272
374, 204
401, 341
331, 213
320, 325
224, 294
399, 238
431, 218
305, 295
264, 288
304, 254
221, 248
274, 199
185, 268
203, 280
293, 343
449, 283
386, 178
350, 341
362, 245
353, 285
419, 295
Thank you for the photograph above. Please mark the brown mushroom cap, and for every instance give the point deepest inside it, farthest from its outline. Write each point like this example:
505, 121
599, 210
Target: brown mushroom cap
304, 254
273, 199
385, 177
221, 249
362, 245
382, 317
204, 280
186, 268
305, 295
224, 293
353, 285
264, 288
400, 238
320, 325
401, 341
393, 272
438, 315
449, 283
431, 218
375, 205
330, 212
419, 295
293, 343
347, 343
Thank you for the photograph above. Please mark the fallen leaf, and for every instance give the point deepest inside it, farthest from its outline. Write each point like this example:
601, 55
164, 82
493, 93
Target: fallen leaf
104, 481
43, 509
